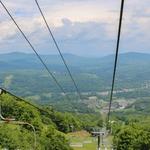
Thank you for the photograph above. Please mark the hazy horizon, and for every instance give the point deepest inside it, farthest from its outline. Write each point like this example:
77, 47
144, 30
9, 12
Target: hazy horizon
55, 54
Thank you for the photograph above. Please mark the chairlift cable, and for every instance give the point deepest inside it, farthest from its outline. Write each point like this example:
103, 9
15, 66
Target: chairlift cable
58, 48
38, 56
116, 59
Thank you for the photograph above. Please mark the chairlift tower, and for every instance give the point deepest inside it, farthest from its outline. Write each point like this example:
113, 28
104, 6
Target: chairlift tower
99, 135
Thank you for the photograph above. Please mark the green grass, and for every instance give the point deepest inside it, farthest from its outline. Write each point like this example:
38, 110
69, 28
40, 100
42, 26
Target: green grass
89, 146
81, 137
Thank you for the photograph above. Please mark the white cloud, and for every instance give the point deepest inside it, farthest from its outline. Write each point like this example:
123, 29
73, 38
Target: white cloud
79, 20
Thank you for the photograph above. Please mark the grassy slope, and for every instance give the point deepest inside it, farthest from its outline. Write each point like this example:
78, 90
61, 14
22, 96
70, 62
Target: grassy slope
82, 137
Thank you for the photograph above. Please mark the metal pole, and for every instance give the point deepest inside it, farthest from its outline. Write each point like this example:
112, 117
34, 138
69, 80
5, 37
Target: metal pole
102, 139
99, 142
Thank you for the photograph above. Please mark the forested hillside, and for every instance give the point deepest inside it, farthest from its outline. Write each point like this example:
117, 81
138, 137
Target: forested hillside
131, 132
50, 126
21, 136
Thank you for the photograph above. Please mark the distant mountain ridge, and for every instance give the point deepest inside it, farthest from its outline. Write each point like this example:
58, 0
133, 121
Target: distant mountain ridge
17, 60
12, 59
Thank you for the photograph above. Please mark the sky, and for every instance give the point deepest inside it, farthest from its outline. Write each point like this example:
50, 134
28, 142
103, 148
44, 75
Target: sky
81, 27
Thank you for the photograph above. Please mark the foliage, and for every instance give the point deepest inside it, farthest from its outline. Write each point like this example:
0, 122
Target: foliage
90, 122
21, 136
134, 136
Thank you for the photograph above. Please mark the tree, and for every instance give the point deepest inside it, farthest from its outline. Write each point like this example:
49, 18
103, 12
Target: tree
132, 137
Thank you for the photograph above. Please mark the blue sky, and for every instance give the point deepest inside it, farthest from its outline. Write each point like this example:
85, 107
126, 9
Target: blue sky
82, 27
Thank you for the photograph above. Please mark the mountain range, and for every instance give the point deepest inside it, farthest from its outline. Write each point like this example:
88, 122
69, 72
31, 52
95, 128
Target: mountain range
131, 66
24, 60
